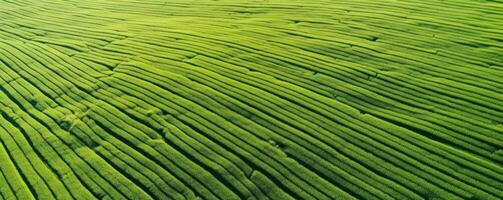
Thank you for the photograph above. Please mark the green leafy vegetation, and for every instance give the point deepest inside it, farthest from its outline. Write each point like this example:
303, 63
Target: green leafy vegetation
270, 99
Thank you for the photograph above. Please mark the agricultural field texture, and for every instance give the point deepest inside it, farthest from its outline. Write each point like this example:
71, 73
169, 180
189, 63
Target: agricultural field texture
251, 99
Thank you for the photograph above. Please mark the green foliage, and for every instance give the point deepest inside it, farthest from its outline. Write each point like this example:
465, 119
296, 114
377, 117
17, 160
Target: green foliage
347, 99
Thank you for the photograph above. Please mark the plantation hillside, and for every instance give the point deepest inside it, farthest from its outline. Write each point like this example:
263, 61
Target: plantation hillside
251, 99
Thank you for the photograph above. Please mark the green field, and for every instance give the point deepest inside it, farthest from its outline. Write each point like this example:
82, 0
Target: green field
251, 99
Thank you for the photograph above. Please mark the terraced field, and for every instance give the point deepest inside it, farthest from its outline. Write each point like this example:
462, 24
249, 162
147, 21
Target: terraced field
272, 99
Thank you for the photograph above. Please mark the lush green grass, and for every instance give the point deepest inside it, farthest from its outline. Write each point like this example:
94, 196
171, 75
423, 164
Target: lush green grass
264, 99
